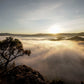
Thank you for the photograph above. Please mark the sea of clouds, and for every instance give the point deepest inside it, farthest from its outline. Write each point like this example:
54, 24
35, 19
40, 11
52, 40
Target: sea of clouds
55, 59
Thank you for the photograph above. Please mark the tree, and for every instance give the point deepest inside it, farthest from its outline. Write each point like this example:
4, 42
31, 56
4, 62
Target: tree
10, 49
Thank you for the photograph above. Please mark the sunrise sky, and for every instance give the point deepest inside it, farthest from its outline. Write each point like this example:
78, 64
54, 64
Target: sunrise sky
41, 16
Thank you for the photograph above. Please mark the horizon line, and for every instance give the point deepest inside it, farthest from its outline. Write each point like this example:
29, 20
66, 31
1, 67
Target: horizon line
40, 33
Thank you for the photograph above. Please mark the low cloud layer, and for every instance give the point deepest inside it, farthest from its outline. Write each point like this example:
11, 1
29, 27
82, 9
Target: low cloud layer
56, 60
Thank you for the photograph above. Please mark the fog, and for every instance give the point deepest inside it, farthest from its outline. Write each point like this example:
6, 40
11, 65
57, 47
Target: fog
55, 59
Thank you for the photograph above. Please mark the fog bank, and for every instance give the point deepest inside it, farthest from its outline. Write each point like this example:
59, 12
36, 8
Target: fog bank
56, 60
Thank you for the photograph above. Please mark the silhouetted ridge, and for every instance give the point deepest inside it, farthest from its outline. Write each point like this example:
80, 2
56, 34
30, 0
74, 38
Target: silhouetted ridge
24, 75
77, 38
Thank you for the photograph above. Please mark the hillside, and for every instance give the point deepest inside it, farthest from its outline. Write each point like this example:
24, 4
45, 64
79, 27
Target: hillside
22, 75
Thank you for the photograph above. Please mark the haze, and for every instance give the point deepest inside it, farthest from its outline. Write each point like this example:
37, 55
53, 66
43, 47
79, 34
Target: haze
41, 16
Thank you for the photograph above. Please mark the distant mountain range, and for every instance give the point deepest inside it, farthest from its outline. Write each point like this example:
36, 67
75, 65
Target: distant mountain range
41, 34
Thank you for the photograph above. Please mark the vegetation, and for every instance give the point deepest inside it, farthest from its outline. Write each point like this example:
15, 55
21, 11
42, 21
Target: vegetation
10, 49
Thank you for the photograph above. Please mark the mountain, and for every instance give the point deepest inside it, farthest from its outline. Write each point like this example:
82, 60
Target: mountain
76, 38
41, 34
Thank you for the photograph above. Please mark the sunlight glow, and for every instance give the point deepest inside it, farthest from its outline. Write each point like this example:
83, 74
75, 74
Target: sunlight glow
55, 29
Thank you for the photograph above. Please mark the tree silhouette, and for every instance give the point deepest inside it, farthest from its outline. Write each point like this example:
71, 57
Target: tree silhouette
10, 49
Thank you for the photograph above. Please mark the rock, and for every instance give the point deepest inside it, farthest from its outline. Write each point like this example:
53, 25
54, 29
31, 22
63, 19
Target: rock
24, 75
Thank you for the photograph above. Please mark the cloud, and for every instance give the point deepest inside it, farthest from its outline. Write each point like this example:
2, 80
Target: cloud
41, 12
39, 15
56, 60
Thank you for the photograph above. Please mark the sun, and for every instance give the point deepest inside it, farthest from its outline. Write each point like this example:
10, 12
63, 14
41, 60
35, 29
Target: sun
54, 29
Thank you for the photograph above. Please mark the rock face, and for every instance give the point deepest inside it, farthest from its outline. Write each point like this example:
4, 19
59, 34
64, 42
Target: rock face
24, 75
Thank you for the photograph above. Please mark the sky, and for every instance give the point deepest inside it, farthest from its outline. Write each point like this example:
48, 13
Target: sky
41, 16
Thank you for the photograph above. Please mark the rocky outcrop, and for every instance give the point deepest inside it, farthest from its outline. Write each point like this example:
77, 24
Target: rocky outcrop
23, 75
